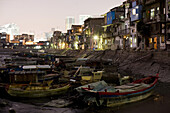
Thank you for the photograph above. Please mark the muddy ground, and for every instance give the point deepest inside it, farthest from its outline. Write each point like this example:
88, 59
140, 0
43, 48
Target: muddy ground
159, 102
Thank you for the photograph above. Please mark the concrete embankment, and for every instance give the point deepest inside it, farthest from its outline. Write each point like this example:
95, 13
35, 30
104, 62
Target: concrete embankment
145, 63
136, 63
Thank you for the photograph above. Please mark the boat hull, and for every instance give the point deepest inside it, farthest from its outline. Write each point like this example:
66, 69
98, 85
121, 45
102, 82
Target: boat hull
116, 101
37, 93
115, 96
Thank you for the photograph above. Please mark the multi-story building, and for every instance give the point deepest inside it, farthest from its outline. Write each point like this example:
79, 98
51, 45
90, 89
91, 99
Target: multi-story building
155, 19
168, 24
55, 39
4, 39
135, 40
77, 36
74, 37
126, 30
62, 43
92, 33
118, 26
69, 38
24, 38
69, 22
113, 25
107, 34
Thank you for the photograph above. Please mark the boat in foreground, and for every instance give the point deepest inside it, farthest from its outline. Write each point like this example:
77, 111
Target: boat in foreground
117, 95
36, 91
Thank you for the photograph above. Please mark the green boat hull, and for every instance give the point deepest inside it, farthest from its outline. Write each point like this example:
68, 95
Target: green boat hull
37, 93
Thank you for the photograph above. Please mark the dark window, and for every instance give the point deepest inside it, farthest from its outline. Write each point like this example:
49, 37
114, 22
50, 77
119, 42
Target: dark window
168, 36
142, 39
168, 15
157, 26
168, 26
132, 30
144, 15
115, 29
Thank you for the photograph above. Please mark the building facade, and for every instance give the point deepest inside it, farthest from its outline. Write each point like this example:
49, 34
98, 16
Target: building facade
55, 39
92, 33
4, 39
155, 19
24, 39
113, 25
168, 24
135, 40
126, 31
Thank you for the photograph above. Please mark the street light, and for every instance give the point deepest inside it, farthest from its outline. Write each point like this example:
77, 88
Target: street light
80, 30
96, 37
95, 41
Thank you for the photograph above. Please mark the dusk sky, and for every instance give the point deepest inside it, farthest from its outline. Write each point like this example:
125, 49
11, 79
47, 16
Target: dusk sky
42, 15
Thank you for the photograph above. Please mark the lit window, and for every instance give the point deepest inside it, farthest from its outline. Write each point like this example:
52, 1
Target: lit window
134, 40
105, 41
134, 11
121, 17
152, 13
162, 39
150, 40
131, 45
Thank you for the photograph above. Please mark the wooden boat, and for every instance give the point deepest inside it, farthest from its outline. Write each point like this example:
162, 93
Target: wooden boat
88, 75
36, 91
114, 96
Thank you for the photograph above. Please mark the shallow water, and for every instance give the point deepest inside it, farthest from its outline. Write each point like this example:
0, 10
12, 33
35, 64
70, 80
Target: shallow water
157, 103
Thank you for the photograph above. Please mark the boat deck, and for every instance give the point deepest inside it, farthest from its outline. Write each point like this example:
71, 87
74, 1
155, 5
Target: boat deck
122, 88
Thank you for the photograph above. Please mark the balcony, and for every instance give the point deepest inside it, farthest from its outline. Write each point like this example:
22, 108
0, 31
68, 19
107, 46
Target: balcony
160, 18
150, 1
155, 19
125, 31
107, 35
115, 33
117, 21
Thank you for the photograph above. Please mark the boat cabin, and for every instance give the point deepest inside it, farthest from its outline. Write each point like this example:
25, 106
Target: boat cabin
88, 74
46, 68
25, 76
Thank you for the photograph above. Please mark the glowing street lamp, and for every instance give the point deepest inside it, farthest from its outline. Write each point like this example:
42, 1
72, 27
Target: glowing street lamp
95, 41
80, 30
96, 37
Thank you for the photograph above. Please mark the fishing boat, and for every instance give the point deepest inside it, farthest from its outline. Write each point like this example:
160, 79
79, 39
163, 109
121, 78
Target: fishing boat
88, 75
36, 90
116, 95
